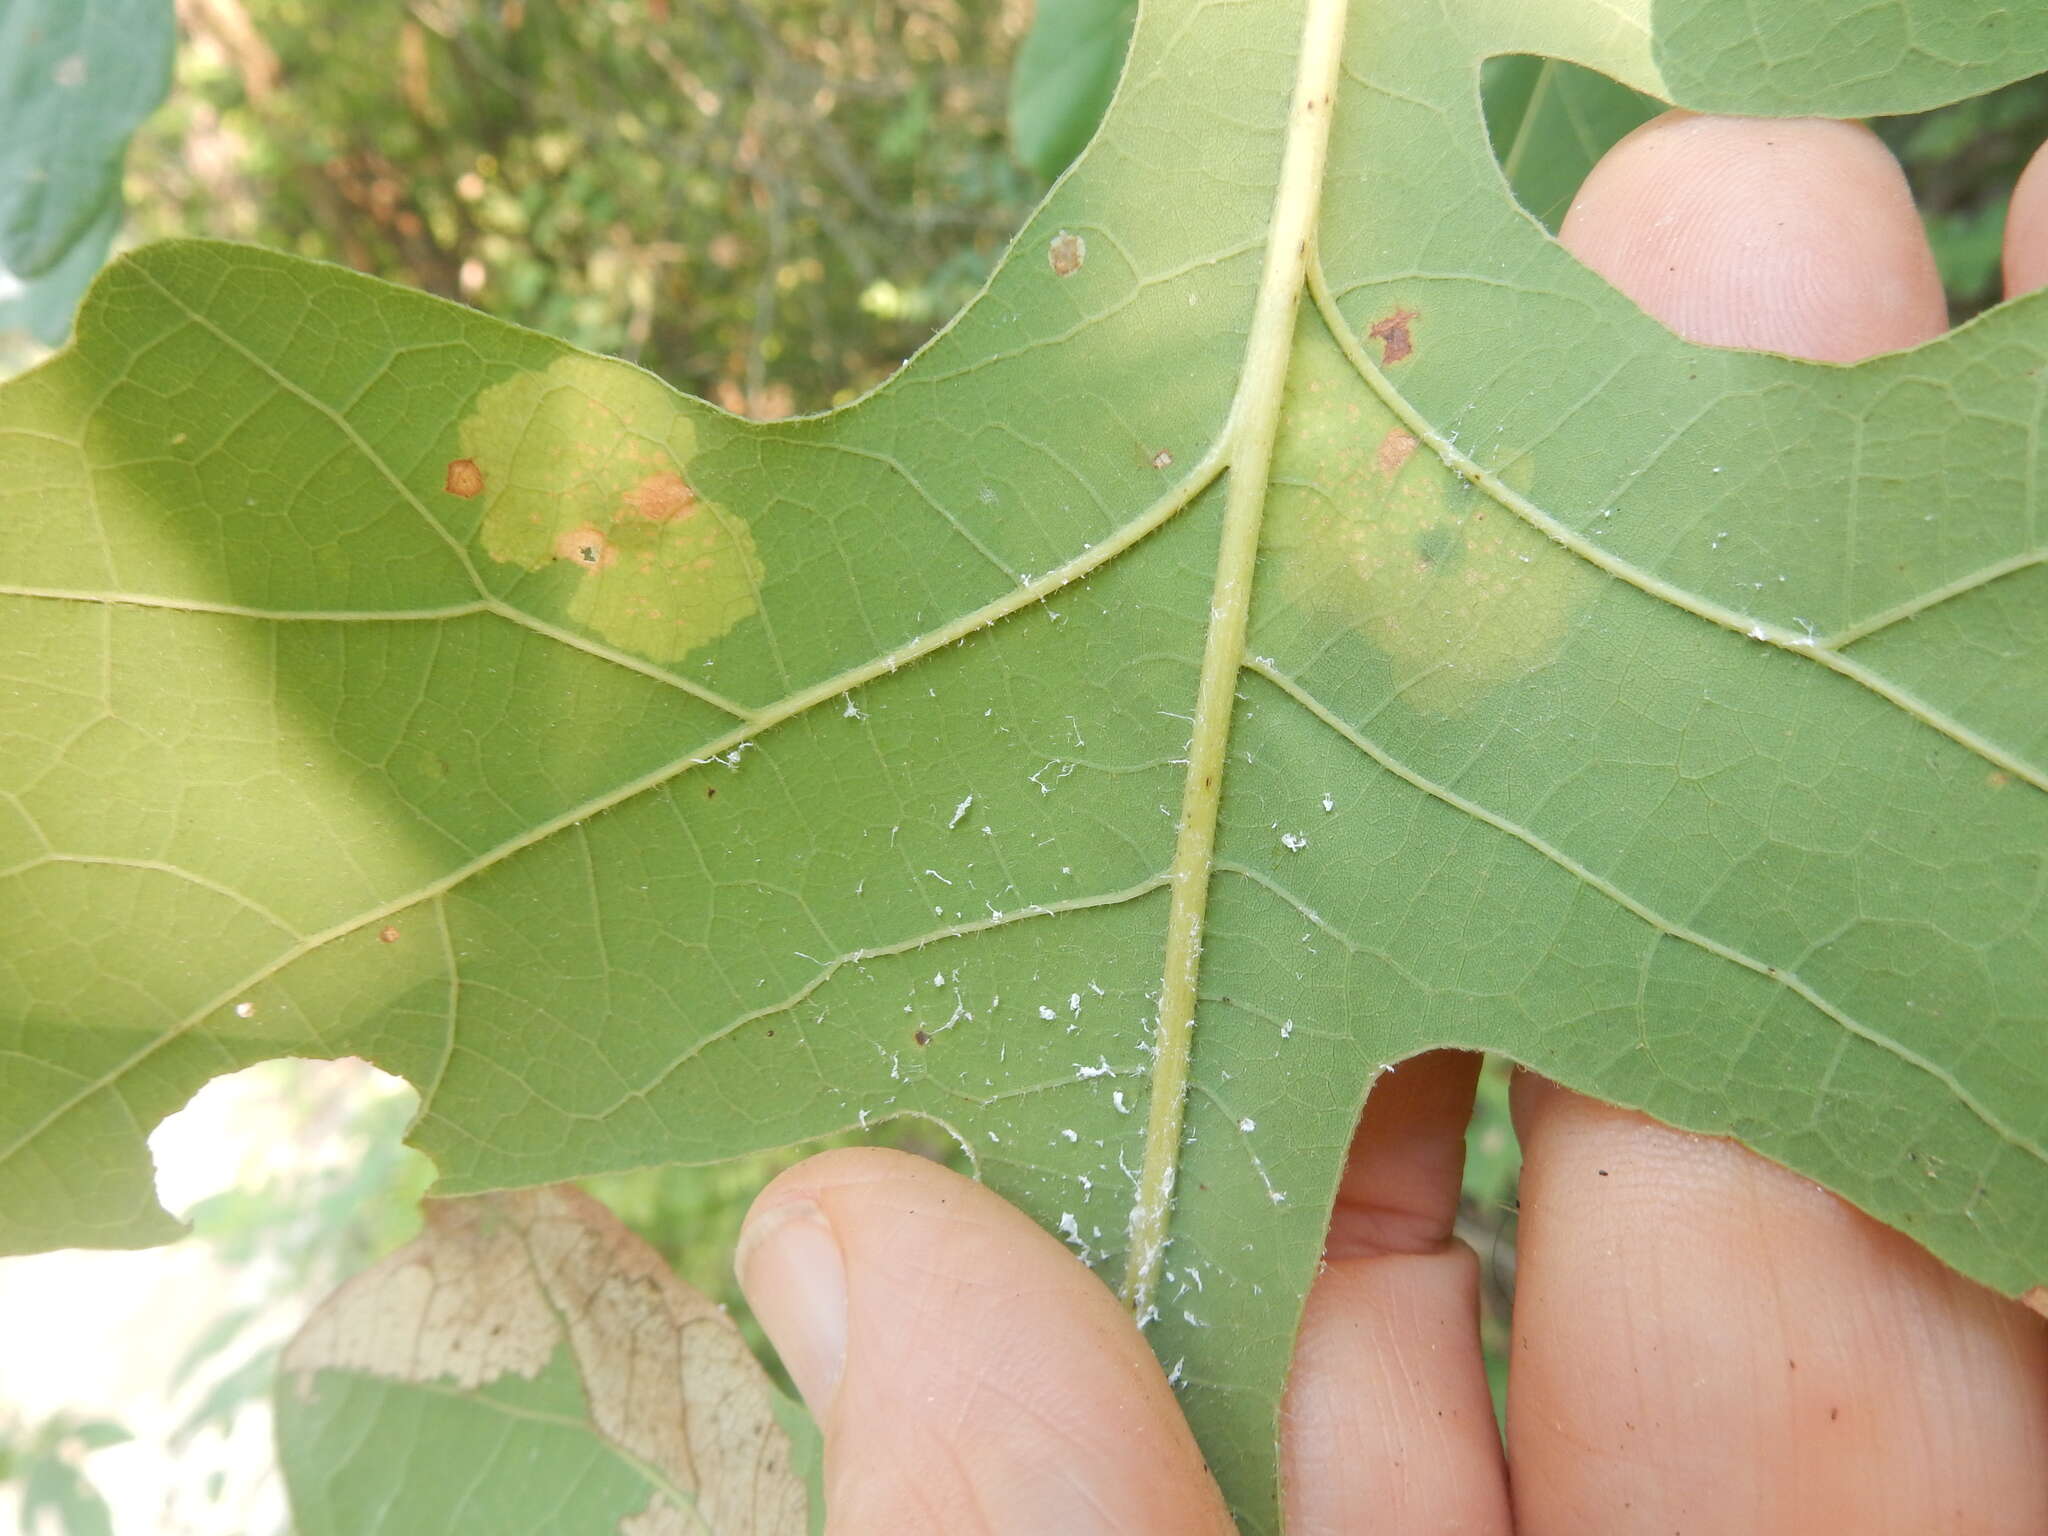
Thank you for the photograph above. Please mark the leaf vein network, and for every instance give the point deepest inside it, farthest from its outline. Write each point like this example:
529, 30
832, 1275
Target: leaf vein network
1162, 510
1598, 883
1798, 643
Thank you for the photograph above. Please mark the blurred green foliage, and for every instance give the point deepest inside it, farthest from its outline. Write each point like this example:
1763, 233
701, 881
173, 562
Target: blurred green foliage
44, 1465
770, 203
303, 1228
1486, 1219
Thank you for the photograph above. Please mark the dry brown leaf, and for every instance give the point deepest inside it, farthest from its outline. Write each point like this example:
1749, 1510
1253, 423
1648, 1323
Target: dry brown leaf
497, 1284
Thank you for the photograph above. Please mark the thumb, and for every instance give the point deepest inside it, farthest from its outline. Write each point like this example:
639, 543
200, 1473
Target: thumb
970, 1375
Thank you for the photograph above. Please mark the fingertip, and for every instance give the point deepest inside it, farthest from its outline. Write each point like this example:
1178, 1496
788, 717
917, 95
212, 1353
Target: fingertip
1388, 1417
986, 1379
2026, 229
1789, 235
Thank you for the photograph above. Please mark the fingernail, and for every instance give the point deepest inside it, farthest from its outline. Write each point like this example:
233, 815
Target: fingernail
788, 1263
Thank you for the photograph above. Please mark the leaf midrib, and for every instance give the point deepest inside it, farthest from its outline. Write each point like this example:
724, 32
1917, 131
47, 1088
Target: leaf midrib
1249, 438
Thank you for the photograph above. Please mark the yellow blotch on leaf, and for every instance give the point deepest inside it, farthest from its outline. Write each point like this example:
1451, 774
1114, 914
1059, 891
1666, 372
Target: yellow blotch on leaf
1368, 531
588, 467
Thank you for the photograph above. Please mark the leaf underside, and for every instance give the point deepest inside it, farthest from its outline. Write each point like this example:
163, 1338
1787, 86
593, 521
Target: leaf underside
646, 785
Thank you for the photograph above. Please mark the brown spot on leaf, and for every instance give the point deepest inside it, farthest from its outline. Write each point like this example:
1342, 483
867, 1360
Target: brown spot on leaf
387, 936
1162, 460
1998, 778
586, 546
662, 499
1393, 335
1395, 448
464, 479
921, 1037
1066, 253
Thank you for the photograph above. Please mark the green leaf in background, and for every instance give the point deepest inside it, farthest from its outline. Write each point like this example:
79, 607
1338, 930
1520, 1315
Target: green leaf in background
55, 1492
43, 306
534, 1334
1064, 76
77, 77
1295, 618
1550, 121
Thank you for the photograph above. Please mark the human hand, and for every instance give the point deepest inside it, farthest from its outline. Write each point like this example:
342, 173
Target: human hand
1703, 1342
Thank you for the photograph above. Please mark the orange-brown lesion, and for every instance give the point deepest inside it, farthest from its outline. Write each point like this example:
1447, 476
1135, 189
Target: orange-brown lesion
1394, 450
586, 545
1395, 335
464, 479
663, 498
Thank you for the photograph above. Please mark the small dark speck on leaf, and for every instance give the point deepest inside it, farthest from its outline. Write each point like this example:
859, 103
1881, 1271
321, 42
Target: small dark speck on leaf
1393, 334
711, 794
464, 479
921, 1037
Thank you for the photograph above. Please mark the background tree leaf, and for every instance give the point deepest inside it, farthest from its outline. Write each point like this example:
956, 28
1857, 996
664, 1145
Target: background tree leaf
1065, 74
1550, 121
77, 77
533, 1333
648, 785
43, 306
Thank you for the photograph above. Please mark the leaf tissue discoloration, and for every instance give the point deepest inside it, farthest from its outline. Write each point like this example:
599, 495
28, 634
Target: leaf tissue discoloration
587, 466
1365, 534
464, 479
1393, 333
501, 1286
1394, 450
1066, 251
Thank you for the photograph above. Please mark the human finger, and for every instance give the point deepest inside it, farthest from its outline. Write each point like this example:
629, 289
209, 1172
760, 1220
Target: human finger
1707, 1342
1388, 1423
2026, 229
1703, 1340
970, 1375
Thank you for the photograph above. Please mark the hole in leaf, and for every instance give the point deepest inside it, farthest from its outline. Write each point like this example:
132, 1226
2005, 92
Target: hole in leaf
281, 1140
1550, 121
691, 1213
